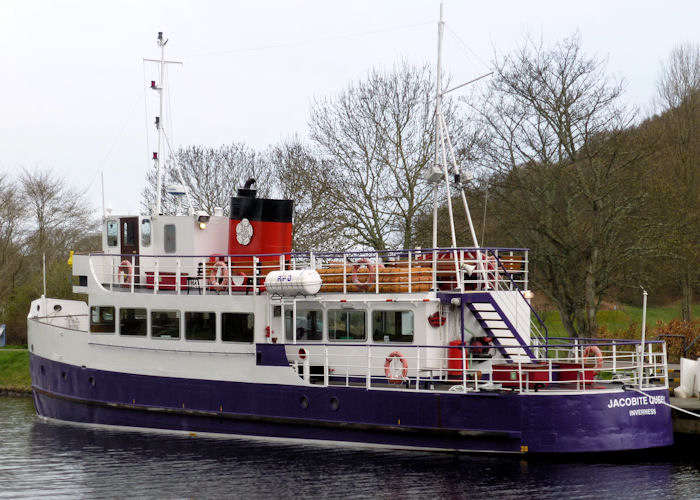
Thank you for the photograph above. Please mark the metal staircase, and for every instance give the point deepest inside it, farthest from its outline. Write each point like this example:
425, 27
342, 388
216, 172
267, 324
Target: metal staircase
497, 324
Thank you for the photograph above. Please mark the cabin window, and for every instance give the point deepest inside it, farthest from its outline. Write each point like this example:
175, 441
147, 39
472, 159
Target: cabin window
392, 326
132, 322
165, 324
112, 233
102, 319
237, 327
200, 326
169, 235
129, 238
309, 324
346, 325
146, 233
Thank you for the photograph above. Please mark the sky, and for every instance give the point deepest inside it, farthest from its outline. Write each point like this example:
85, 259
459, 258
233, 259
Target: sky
74, 96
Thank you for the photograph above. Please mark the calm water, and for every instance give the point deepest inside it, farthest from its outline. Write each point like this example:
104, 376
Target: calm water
40, 459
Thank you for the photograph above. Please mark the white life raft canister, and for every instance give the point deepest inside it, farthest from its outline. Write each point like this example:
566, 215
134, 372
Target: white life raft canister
290, 283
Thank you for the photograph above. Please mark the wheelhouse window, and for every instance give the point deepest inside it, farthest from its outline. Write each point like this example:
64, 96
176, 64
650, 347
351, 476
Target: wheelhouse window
346, 325
200, 326
112, 233
169, 242
102, 319
132, 322
165, 324
146, 233
237, 327
392, 326
309, 324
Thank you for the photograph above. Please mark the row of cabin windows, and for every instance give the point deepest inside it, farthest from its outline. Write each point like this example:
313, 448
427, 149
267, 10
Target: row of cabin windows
235, 327
350, 325
130, 239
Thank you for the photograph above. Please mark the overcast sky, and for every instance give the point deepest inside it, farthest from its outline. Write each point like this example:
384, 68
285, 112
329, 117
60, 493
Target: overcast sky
73, 85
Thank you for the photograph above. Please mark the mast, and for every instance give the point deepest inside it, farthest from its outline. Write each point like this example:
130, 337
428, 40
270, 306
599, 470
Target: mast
442, 145
159, 121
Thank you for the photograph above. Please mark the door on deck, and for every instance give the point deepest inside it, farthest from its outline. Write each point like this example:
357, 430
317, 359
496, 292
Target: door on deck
129, 236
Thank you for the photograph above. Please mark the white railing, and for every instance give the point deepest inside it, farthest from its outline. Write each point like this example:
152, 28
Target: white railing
402, 271
580, 366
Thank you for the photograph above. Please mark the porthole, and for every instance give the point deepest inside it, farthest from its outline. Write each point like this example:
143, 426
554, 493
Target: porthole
92, 381
304, 402
43, 370
57, 308
335, 404
64, 375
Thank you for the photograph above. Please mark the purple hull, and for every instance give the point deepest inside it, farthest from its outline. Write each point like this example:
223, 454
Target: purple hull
484, 421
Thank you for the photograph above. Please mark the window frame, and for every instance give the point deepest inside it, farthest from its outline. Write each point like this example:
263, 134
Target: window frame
288, 335
101, 313
186, 328
109, 224
348, 323
393, 338
145, 320
154, 323
250, 328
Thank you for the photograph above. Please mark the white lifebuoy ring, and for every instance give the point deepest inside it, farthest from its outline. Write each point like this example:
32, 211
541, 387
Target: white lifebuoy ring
371, 273
593, 350
125, 273
395, 373
218, 281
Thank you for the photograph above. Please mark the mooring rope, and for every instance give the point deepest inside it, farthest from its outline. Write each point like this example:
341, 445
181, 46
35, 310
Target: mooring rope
628, 388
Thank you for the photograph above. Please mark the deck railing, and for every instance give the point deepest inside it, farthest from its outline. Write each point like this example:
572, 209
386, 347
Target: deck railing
576, 366
395, 271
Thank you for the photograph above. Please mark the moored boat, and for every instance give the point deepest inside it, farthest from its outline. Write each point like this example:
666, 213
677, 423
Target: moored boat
212, 324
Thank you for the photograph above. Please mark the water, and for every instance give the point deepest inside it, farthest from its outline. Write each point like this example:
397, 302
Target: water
43, 459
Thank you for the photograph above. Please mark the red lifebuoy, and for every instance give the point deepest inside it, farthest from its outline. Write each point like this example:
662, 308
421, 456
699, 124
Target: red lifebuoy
371, 274
125, 273
593, 350
395, 374
218, 281
436, 320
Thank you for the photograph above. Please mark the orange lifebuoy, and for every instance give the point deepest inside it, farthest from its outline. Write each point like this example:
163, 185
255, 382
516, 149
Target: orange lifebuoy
371, 274
395, 374
593, 350
125, 273
218, 281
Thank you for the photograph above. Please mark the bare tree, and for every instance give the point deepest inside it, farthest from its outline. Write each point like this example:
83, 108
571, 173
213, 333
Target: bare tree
375, 139
212, 176
11, 246
58, 216
563, 172
678, 181
303, 178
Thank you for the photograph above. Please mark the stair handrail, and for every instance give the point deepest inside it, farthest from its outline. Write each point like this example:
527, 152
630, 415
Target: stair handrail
543, 340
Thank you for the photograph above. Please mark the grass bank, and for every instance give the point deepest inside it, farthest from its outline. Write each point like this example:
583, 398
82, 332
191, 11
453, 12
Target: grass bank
622, 318
14, 370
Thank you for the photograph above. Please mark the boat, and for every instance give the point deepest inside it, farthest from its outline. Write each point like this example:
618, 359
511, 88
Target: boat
211, 325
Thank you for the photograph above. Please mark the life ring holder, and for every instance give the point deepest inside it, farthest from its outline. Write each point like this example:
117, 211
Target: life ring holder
371, 273
218, 281
594, 350
125, 273
391, 373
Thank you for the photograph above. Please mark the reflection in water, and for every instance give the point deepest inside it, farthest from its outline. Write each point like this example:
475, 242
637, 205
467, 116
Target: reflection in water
40, 458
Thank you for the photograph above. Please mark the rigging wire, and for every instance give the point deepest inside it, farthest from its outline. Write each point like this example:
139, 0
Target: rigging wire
467, 47
308, 42
100, 167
